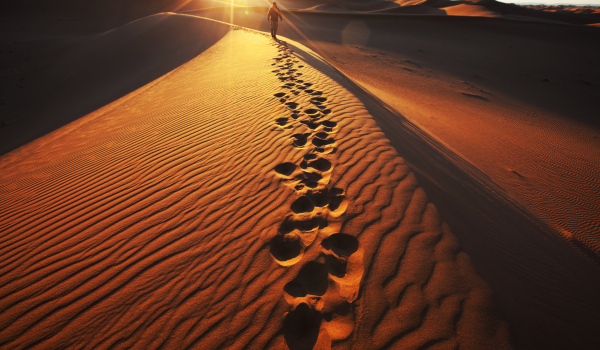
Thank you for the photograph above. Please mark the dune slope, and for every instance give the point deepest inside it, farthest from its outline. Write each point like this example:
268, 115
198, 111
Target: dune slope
243, 200
102, 69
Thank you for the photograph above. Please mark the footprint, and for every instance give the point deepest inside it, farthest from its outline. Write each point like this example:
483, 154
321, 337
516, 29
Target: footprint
311, 280
310, 124
310, 178
285, 169
319, 99
320, 164
329, 123
342, 245
300, 140
302, 205
322, 142
301, 328
319, 198
292, 105
302, 224
286, 249
317, 93
310, 111
281, 121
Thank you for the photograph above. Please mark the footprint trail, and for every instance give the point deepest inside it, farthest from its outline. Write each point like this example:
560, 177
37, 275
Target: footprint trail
321, 295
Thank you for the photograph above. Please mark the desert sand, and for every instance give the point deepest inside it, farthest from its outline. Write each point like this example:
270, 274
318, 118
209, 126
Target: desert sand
387, 175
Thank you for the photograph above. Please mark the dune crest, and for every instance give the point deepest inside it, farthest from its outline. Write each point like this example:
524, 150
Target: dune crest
243, 200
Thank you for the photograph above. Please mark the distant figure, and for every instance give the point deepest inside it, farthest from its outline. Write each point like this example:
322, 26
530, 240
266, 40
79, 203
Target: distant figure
273, 17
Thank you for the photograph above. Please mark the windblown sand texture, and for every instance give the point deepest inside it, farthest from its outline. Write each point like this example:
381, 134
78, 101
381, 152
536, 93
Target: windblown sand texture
239, 201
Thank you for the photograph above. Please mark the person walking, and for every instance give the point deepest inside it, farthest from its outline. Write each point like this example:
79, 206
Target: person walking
273, 16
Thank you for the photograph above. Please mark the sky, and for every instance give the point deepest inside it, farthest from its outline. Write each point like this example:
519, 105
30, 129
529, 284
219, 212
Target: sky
554, 2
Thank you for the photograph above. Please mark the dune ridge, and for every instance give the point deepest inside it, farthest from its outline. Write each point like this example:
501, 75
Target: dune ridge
156, 221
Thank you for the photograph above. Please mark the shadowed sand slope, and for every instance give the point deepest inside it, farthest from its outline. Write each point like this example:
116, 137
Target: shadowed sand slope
244, 200
103, 68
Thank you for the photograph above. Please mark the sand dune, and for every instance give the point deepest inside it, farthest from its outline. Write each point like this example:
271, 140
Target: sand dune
239, 203
229, 191
469, 10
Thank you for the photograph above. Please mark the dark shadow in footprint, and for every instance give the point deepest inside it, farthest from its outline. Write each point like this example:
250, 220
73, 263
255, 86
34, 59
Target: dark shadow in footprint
310, 124
295, 116
292, 105
335, 266
300, 139
285, 168
311, 111
329, 123
279, 94
337, 191
310, 156
343, 309
309, 91
302, 205
326, 111
317, 93
284, 247
290, 224
319, 149
320, 142
320, 164
319, 99
281, 121
335, 202
341, 244
327, 129
312, 184
308, 176
320, 198
322, 135
301, 328
312, 279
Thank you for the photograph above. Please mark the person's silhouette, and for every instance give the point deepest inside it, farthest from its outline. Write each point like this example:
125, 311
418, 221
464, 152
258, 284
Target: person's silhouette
273, 16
